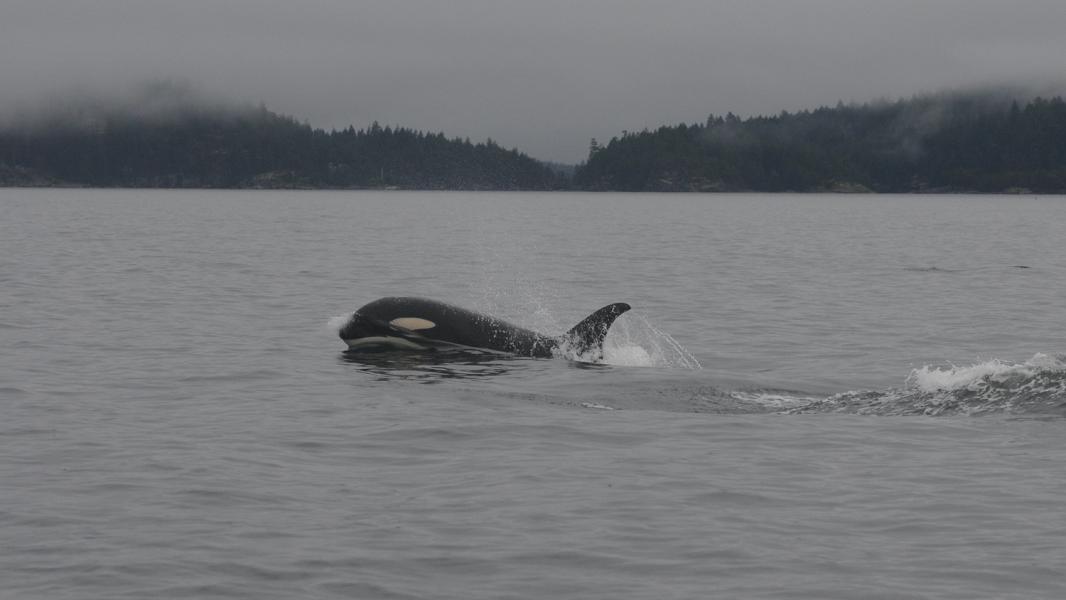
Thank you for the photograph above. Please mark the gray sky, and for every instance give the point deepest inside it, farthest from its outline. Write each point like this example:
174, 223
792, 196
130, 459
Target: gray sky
542, 75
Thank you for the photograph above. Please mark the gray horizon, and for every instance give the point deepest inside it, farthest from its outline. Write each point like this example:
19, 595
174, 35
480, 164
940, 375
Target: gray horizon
543, 77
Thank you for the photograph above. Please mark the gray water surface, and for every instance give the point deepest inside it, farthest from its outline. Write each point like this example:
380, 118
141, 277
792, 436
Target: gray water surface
814, 397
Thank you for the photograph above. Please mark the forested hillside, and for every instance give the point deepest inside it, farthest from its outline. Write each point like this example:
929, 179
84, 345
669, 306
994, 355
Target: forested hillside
227, 148
940, 143
936, 143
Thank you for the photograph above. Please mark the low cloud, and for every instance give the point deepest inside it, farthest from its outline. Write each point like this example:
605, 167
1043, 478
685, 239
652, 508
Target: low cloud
544, 77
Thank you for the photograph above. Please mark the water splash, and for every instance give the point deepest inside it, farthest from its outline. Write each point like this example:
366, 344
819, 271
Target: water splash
634, 341
335, 324
627, 356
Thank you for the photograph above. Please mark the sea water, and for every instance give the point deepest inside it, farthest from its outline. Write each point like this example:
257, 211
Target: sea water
814, 396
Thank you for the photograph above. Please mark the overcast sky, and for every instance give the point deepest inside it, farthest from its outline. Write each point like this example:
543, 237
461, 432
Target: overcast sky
540, 75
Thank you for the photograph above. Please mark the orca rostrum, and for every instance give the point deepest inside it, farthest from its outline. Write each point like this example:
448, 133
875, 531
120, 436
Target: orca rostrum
421, 324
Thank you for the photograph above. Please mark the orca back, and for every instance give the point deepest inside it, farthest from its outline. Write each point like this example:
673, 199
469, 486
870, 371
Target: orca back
421, 319
454, 325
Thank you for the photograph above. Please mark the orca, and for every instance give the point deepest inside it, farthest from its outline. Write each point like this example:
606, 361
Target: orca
402, 323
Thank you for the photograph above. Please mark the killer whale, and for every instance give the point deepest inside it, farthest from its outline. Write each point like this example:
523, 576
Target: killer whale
405, 323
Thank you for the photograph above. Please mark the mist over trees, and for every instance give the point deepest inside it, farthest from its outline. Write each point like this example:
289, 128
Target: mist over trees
948, 142
245, 147
167, 137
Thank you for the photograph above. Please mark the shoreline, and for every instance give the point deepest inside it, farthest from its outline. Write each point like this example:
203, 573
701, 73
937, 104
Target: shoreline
867, 192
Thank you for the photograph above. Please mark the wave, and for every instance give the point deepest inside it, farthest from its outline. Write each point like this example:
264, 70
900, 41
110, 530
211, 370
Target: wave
1034, 387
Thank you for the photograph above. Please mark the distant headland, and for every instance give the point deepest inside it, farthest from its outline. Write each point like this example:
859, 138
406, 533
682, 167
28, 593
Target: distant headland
952, 142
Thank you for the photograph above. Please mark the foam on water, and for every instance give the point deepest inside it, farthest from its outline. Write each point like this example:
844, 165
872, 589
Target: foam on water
777, 400
978, 376
1034, 387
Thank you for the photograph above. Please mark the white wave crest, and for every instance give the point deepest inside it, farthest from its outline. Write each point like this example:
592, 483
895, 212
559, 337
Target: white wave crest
935, 379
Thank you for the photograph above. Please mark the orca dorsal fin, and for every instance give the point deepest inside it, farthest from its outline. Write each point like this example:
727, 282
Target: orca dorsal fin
590, 333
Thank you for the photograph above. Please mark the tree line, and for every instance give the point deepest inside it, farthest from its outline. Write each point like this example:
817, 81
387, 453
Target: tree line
957, 142
947, 142
255, 148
